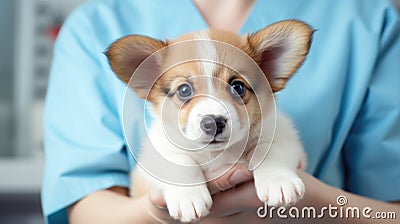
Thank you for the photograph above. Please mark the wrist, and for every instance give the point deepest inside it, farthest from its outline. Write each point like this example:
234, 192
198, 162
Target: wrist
317, 192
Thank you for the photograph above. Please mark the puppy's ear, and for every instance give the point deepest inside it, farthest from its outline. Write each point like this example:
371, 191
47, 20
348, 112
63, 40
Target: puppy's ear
280, 49
126, 54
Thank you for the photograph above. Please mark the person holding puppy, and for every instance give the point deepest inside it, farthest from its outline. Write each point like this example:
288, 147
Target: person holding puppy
342, 101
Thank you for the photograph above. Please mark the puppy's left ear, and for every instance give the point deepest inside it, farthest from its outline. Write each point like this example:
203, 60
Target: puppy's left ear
125, 56
280, 49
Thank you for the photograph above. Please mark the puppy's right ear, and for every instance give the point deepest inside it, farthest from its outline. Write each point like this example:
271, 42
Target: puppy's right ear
126, 54
280, 49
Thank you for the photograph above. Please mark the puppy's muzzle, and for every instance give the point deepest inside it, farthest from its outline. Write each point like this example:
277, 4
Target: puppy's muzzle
213, 125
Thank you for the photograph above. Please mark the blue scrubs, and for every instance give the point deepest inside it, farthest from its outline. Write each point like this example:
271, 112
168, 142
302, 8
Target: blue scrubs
345, 100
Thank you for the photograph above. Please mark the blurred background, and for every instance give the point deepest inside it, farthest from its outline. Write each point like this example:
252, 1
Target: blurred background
28, 29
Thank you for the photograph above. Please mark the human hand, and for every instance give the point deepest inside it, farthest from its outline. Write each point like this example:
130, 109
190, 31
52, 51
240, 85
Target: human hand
234, 177
237, 205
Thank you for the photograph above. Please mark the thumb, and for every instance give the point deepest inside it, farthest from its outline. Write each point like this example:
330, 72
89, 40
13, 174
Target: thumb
234, 176
157, 209
157, 199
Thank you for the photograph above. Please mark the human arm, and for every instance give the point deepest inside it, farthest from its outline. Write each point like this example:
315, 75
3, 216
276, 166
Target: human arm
110, 206
230, 206
113, 205
241, 204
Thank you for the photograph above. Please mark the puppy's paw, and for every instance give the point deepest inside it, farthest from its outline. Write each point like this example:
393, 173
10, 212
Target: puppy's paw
279, 188
188, 204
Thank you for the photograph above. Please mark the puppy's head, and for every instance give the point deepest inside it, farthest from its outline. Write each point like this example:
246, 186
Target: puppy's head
200, 86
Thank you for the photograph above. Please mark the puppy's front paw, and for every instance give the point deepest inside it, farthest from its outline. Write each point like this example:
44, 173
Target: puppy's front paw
279, 188
188, 204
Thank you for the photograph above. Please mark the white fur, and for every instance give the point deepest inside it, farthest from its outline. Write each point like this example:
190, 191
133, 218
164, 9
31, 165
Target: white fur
211, 106
276, 180
187, 203
207, 51
207, 106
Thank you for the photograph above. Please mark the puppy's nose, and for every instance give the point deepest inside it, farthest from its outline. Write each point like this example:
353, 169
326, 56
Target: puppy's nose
213, 125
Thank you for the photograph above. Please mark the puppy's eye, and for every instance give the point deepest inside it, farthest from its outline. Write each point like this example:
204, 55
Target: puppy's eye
238, 88
184, 91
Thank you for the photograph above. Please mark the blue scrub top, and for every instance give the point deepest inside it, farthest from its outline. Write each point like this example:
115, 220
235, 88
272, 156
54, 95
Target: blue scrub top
345, 100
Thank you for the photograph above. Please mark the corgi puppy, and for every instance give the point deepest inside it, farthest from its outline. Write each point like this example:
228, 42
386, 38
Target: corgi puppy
211, 94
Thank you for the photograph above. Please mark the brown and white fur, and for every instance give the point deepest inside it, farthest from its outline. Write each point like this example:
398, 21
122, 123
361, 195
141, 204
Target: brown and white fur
278, 50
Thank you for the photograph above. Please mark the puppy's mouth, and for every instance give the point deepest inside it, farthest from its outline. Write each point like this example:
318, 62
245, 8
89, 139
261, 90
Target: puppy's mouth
216, 141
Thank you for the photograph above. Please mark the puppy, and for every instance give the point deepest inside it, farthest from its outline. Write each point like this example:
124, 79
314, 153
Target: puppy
211, 94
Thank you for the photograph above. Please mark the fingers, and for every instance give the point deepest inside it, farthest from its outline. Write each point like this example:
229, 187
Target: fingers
236, 175
157, 199
235, 200
156, 208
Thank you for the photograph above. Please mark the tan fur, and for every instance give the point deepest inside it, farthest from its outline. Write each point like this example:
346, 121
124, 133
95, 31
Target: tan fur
120, 54
277, 31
